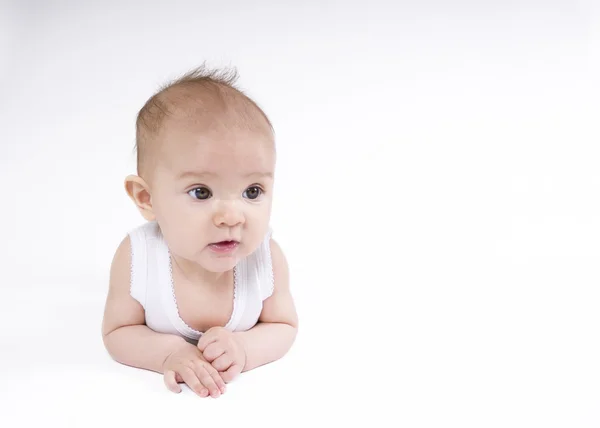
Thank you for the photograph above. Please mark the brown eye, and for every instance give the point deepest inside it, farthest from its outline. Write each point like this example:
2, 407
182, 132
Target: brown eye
253, 192
200, 193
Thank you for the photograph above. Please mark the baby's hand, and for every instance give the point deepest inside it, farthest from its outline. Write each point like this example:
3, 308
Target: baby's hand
224, 350
186, 364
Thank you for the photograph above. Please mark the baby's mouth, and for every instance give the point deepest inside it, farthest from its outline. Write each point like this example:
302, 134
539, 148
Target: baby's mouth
224, 246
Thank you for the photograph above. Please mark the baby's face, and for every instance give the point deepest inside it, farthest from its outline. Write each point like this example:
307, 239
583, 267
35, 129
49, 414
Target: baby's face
213, 187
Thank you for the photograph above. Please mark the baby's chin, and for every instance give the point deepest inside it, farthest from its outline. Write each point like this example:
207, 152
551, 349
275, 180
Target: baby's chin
219, 264
220, 267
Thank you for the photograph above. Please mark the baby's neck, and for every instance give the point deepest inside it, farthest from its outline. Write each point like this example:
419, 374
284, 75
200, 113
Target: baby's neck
196, 274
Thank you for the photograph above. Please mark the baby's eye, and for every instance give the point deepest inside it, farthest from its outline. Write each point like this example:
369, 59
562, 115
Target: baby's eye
200, 193
253, 192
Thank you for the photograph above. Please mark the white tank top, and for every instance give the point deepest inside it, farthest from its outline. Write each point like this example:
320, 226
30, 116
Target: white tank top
152, 284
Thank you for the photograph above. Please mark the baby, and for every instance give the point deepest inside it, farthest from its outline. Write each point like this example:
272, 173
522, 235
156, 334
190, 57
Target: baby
200, 292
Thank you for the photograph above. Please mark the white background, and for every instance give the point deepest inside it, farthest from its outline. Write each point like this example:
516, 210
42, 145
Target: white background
437, 198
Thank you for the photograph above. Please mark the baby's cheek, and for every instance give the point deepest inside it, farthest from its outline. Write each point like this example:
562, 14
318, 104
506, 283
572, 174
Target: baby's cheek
256, 240
179, 237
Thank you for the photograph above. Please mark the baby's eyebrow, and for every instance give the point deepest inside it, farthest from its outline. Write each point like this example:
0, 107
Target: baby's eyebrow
259, 174
200, 174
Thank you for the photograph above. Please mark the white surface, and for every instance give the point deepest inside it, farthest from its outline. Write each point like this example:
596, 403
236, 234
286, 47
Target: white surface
438, 200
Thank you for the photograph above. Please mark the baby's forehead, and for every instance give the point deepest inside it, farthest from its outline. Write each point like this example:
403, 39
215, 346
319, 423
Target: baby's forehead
184, 137
234, 152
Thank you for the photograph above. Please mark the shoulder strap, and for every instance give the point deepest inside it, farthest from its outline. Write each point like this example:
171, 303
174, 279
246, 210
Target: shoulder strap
264, 266
139, 261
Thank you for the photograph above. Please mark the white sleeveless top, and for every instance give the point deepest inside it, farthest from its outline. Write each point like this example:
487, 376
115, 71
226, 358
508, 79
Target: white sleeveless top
152, 284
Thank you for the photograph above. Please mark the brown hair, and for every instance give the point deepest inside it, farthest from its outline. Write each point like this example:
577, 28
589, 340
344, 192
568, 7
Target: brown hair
202, 95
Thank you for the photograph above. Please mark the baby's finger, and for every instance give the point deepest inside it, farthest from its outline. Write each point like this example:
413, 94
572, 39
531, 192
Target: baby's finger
222, 363
217, 378
192, 380
171, 382
207, 380
205, 340
230, 374
212, 351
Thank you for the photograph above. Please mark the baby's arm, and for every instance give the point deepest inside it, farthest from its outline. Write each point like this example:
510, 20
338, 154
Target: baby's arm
276, 330
126, 337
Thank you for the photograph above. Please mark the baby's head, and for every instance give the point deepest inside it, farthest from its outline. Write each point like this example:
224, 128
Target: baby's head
205, 168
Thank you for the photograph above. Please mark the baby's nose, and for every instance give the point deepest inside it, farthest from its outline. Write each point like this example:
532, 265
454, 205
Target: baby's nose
228, 213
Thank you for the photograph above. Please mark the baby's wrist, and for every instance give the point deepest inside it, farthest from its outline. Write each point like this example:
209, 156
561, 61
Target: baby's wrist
239, 338
176, 344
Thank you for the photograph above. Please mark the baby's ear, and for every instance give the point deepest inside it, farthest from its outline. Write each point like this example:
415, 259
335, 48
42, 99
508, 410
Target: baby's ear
138, 191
